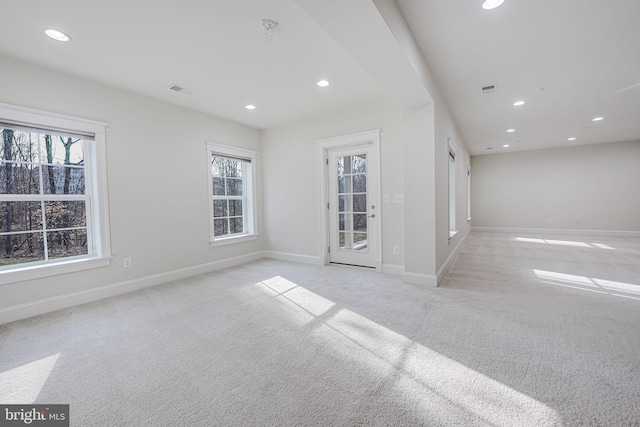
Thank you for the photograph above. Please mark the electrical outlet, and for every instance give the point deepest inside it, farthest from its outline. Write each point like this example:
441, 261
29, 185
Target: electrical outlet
126, 262
396, 250
550, 221
398, 198
386, 198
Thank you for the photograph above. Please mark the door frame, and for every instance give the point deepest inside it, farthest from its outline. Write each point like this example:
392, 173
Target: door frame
369, 138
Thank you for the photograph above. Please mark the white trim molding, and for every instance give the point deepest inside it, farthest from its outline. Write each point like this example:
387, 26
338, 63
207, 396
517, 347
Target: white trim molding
444, 268
291, 257
630, 233
35, 308
394, 269
420, 279
371, 137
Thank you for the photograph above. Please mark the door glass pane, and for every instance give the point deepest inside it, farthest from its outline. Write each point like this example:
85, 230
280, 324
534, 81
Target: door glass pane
359, 183
360, 163
360, 203
359, 241
344, 203
352, 202
344, 184
342, 239
344, 222
360, 222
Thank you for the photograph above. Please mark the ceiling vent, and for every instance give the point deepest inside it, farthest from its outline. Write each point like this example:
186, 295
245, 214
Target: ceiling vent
181, 89
489, 89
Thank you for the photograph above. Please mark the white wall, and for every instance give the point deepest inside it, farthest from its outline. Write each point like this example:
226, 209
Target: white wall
437, 126
291, 179
157, 177
446, 128
420, 206
597, 185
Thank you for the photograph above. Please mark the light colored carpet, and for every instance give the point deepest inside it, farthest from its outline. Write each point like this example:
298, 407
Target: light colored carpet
524, 331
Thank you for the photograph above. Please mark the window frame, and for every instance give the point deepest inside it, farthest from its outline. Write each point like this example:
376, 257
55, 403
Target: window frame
452, 170
468, 193
248, 157
97, 213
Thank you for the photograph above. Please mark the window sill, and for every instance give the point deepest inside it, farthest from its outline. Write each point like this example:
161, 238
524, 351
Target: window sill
40, 271
233, 240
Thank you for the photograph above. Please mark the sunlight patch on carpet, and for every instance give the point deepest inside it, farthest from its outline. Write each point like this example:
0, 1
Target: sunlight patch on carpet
24, 383
428, 384
564, 243
591, 284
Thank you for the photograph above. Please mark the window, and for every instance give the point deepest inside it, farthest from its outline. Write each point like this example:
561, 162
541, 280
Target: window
52, 194
468, 192
231, 190
452, 189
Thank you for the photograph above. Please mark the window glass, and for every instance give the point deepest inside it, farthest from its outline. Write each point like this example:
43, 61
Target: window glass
232, 208
43, 200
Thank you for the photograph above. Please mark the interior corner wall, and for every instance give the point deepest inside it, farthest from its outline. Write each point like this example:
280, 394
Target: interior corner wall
592, 187
157, 178
291, 180
419, 182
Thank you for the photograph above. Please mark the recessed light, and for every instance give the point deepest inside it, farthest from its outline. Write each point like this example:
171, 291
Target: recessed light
597, 119
511, 130
250, 107
491, 4
518, 103
323, 83
57, 35
506, 146
573, 138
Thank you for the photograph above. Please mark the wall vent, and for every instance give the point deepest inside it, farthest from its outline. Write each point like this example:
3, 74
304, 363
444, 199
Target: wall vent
181, 89
489, 89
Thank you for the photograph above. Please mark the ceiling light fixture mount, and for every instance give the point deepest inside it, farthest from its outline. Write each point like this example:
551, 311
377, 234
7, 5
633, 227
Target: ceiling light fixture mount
323, 83
597, 119
250, 107
269, 26
491, 4
57, 35
518, 103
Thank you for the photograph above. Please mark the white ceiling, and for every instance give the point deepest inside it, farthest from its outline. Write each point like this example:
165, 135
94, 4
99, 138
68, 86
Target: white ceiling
584, 53
215, 47
570, 60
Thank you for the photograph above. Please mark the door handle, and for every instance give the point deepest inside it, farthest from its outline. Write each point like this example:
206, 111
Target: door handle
372, 216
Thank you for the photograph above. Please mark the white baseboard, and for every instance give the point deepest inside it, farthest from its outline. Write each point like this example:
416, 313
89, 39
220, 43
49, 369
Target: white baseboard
420, 279
35, 308
286, 256
444, 268
570, 231
395, 269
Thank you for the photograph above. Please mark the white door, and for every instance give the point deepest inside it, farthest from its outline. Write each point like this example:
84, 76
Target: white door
353, 206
